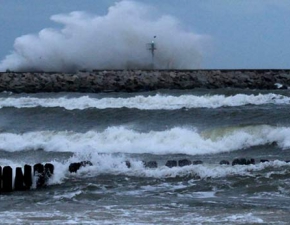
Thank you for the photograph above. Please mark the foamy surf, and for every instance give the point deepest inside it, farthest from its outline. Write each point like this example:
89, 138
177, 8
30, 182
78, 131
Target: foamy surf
155, 102
172, 141
111, 165
108, 164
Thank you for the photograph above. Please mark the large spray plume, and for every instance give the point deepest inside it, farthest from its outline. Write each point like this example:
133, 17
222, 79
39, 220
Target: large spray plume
114, 41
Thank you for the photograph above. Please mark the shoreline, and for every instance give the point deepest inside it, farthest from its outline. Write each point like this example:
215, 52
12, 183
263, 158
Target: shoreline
142, 80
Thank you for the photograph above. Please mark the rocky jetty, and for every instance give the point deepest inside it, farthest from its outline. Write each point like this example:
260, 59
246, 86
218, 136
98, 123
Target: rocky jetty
141, 80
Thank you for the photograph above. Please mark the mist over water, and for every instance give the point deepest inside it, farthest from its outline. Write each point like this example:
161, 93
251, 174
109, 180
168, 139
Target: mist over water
116, 40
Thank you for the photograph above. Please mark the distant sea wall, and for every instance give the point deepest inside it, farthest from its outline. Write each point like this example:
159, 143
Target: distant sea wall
141, 80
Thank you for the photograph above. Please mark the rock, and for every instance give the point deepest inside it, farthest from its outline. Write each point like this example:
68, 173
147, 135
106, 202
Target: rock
74, 167
239, 161
128, 164
184, 162
251, 162
264, 160
138, 80
197, 162
150, 164
224, 162
172, 74
171, 163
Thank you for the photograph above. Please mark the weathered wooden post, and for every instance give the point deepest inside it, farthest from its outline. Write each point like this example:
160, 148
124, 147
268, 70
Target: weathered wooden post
27, 176
0, 179
7, 179
39, 174
49, 169
19, 180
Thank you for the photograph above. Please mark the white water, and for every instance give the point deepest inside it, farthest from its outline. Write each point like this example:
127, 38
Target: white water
172, 141
114, 215
146, 103
115, 165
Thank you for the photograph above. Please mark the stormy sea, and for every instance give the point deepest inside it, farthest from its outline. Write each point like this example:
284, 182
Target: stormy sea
119, 133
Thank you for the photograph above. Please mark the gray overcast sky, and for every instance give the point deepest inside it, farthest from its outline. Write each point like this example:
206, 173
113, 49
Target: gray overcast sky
244, 33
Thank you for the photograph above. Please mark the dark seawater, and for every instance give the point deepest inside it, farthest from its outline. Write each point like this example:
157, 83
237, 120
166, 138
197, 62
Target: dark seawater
111, 128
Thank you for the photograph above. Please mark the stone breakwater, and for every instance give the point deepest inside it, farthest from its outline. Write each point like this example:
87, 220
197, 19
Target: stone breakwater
141, 80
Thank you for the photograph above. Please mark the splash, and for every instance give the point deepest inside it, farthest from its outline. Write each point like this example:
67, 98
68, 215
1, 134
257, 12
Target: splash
116, 40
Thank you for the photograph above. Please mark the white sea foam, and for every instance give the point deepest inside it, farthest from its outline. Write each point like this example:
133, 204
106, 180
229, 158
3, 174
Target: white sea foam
91, 146
142, 214
146, 102
172, 141
115, 166
205, 170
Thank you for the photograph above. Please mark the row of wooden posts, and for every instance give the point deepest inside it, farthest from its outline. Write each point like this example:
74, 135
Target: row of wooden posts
74, 167
41, 173
23, 181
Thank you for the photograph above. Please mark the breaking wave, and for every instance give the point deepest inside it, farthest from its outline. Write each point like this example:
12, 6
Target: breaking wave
172, 141
155, 102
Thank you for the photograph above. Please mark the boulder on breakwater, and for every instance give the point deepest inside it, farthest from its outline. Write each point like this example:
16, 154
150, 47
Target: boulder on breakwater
141, 80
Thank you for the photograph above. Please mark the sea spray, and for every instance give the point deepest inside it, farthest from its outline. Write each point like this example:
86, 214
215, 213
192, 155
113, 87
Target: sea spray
113, 41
